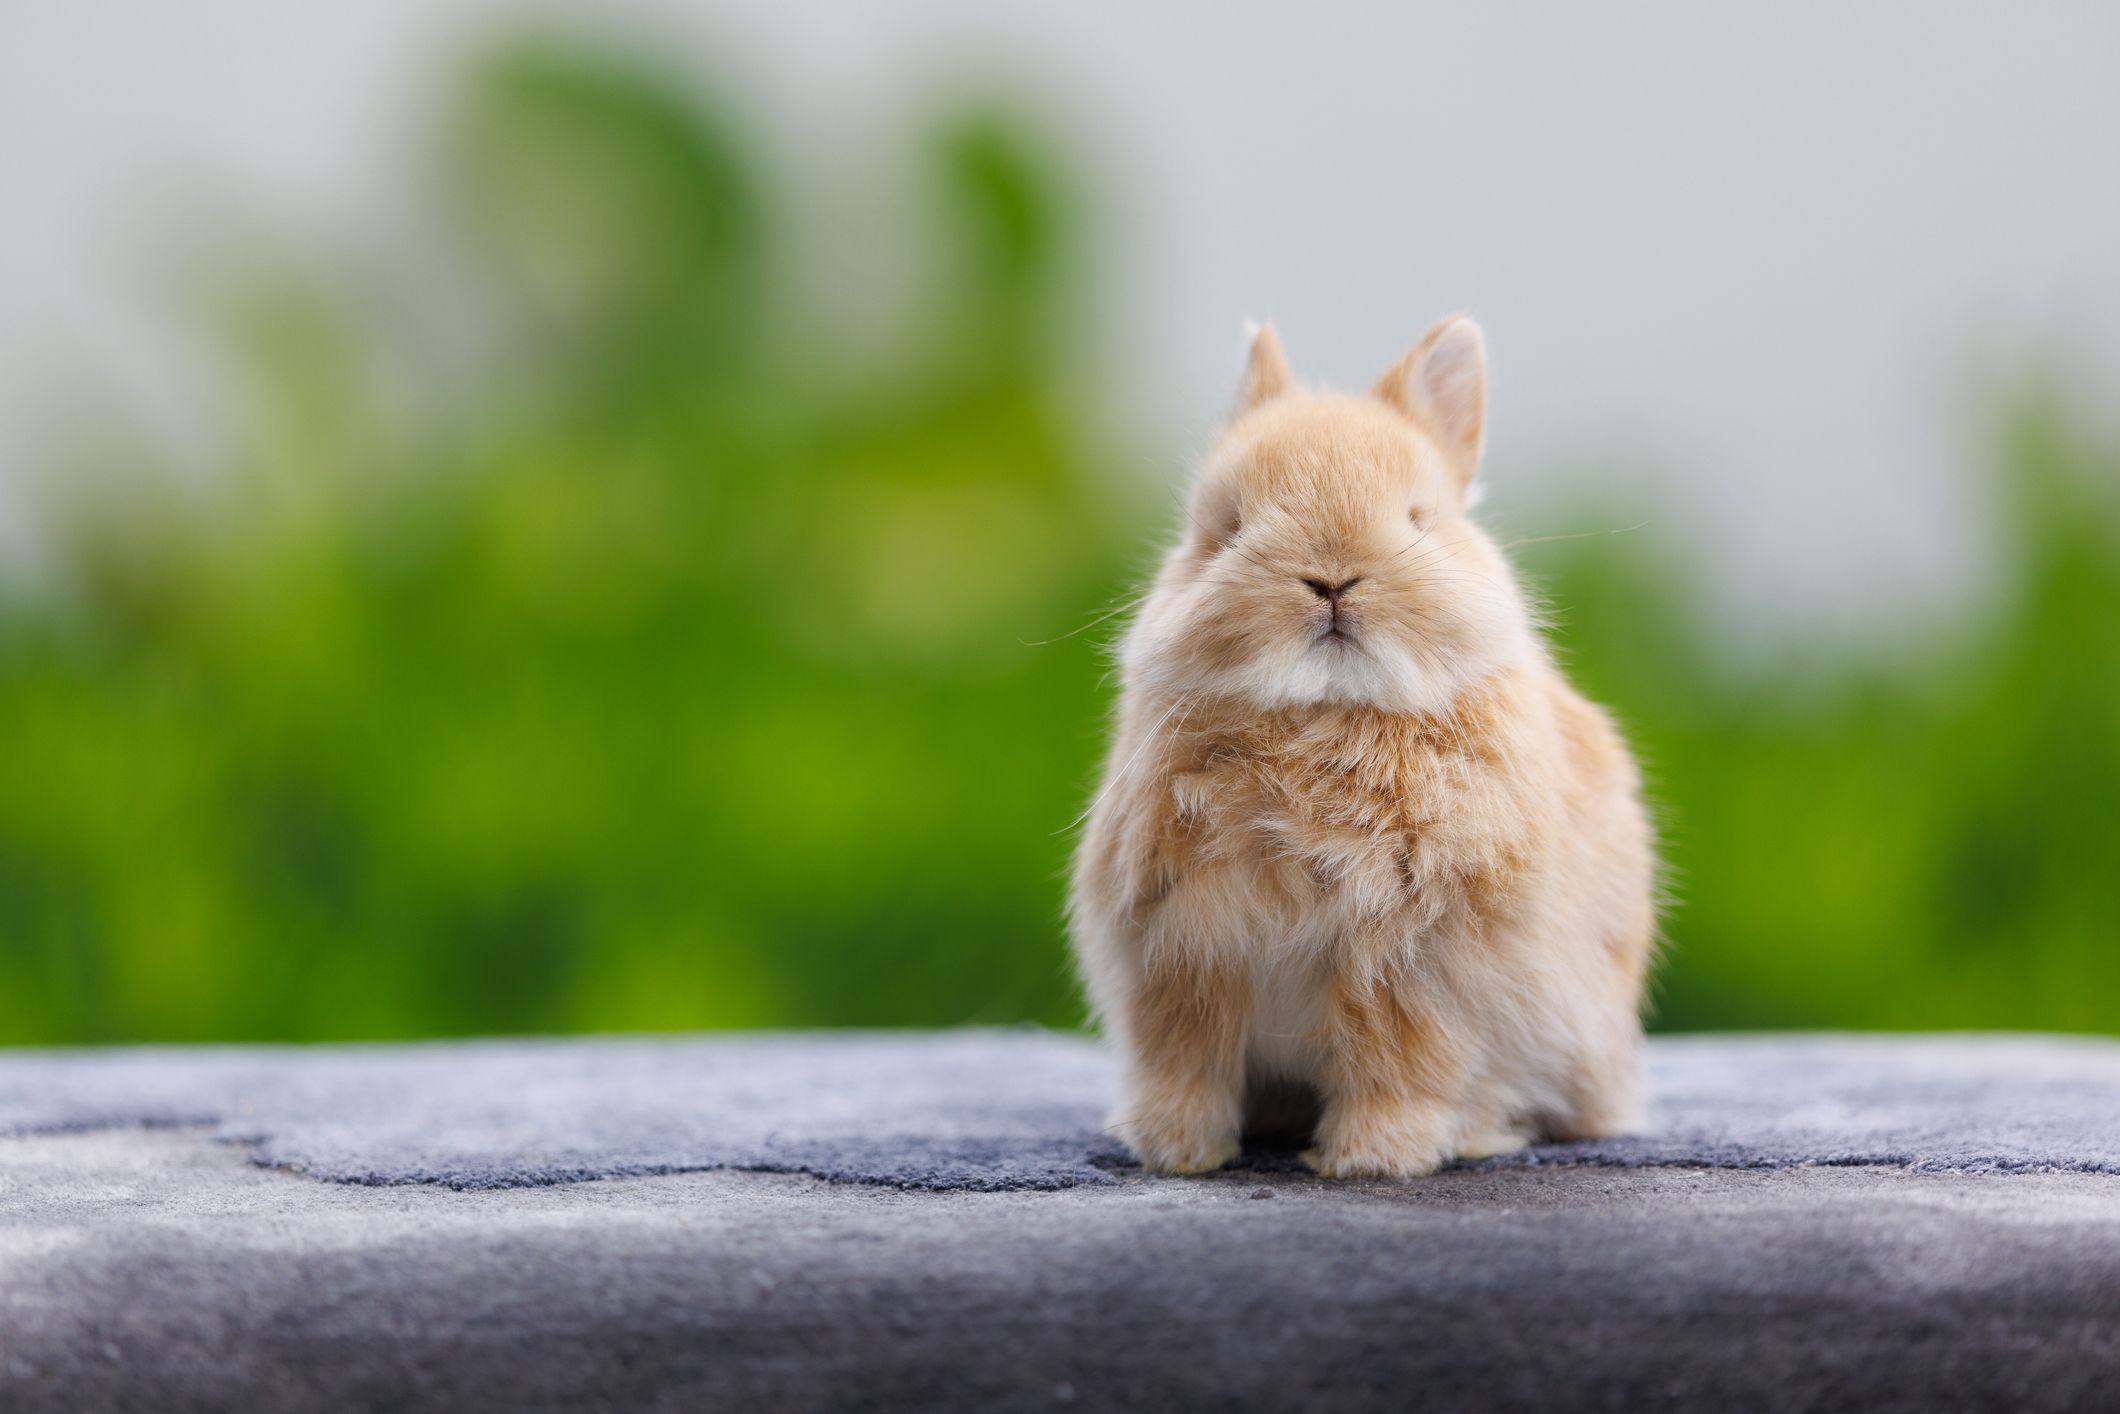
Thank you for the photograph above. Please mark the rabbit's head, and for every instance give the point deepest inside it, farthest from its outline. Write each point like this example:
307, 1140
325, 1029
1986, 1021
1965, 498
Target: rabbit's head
1328, 555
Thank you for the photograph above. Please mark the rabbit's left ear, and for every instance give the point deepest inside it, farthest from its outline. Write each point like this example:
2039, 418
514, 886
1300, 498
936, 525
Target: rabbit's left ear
1442, 384
1266, 374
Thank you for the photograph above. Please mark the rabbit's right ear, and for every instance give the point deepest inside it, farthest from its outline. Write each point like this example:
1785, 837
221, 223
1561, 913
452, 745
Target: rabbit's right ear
1442, 385
1266, 374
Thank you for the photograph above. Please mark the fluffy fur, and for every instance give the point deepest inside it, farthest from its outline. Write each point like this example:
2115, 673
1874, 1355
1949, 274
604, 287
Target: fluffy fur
1363, 870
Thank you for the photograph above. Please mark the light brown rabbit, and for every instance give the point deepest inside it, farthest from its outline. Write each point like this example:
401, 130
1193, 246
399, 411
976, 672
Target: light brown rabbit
1363, 867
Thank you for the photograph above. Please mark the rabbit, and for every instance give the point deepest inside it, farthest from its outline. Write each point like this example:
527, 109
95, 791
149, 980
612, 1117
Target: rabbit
1363, 870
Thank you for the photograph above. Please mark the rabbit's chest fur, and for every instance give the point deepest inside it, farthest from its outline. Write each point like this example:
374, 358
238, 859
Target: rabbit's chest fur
1343, 830
1304, 849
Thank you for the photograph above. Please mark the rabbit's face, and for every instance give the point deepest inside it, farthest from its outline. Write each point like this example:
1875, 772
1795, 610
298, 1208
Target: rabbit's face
1329, 559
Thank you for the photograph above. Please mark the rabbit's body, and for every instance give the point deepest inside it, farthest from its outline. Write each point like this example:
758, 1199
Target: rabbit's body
1383, 880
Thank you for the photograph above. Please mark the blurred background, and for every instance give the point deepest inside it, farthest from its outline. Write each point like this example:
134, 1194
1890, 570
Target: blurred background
541, 518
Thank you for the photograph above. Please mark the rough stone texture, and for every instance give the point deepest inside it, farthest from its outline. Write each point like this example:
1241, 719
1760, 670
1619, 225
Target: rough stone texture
1004, 1109
1947, 1262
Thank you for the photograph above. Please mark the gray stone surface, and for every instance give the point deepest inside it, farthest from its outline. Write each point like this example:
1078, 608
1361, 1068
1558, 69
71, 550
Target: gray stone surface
1924, 1267
1005, 1109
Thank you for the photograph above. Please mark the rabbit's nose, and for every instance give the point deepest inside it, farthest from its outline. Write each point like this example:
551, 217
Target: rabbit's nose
1331, 593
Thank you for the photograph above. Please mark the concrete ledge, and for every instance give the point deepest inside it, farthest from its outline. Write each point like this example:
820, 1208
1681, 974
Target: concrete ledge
177, 1268
1005, 1109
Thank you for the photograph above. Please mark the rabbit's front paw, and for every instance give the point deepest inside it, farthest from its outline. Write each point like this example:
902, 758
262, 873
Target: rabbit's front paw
1491, 1143
1183, 1156
1178, 1141
1373, 1143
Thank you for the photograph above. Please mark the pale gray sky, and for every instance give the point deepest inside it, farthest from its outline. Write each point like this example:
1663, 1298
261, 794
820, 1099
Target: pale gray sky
1752, 264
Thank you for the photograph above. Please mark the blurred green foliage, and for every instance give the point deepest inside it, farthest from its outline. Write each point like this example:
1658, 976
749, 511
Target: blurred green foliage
1922, 838
682, 672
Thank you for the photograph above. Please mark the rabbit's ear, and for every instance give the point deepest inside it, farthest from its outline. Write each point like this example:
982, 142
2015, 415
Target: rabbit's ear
1442, 384
1266, 374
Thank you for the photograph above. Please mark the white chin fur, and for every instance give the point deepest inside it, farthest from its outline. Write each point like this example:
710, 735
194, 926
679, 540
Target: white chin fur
1309, 675
1368, 675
